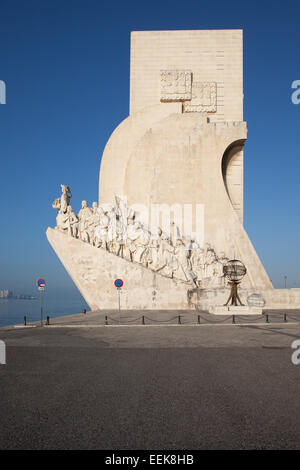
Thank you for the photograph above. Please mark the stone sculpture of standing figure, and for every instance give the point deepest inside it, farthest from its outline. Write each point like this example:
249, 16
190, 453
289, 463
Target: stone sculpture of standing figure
83, 216
112, 231
198, 263
101, 229
93, 222
184, 270
61, 203
65, 198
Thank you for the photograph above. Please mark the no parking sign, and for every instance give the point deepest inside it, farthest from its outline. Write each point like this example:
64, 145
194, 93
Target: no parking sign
118, 283
41, 283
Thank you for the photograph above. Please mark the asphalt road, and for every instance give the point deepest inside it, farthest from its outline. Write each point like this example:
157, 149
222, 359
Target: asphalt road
173, 387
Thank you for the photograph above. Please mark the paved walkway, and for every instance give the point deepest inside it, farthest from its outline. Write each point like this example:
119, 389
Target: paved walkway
180, 387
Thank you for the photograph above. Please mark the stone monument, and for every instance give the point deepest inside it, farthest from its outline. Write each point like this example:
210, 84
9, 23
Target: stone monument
170, 210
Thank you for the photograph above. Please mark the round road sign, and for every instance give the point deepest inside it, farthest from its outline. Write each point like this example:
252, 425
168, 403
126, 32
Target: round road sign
41, 282
118, 283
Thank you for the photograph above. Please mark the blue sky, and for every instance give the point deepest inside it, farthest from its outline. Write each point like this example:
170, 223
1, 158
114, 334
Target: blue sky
66, 68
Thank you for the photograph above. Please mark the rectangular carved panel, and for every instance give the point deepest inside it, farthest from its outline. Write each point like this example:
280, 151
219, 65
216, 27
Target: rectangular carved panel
204, 98
176, 85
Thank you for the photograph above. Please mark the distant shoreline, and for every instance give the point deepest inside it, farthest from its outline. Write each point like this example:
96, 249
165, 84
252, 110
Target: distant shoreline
19, 298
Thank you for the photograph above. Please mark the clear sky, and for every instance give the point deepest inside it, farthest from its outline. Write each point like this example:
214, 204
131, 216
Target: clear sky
66, 69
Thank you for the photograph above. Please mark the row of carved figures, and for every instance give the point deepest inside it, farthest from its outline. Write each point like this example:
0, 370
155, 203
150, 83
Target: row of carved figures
122, 235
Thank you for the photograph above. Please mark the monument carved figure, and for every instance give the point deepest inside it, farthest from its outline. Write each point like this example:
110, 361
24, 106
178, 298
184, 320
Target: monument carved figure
101, 229
112, 230
85, 222
65, 197
63, 201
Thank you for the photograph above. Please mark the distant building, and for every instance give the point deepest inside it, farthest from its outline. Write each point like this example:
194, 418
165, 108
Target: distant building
6, 294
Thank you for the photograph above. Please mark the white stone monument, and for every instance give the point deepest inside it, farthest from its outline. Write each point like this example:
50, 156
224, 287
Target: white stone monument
170, 211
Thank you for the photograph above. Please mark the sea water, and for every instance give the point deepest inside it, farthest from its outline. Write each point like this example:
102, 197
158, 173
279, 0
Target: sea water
12, 311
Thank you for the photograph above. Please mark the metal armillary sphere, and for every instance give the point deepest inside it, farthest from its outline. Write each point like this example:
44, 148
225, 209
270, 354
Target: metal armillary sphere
234, 270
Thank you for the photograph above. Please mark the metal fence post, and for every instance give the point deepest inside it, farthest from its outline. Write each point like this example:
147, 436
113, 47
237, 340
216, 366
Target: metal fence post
106, 321
143, 320
233, 318
48, 320
25, 320
179, 319
199, 318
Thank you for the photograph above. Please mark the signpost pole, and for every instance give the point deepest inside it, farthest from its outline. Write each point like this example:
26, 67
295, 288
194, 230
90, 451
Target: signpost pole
119, 292
41, 300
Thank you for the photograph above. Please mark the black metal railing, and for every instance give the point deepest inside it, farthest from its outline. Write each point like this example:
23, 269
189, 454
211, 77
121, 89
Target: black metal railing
199, 319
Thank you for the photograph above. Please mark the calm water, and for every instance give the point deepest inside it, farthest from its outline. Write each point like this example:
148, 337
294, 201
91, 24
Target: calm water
12, 311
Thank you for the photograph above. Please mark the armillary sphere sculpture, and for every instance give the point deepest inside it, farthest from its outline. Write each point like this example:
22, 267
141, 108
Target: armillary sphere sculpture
234, 270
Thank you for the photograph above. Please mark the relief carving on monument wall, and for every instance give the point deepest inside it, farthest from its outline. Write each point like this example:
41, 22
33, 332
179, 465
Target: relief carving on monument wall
176, 85
116, 230
204, 98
